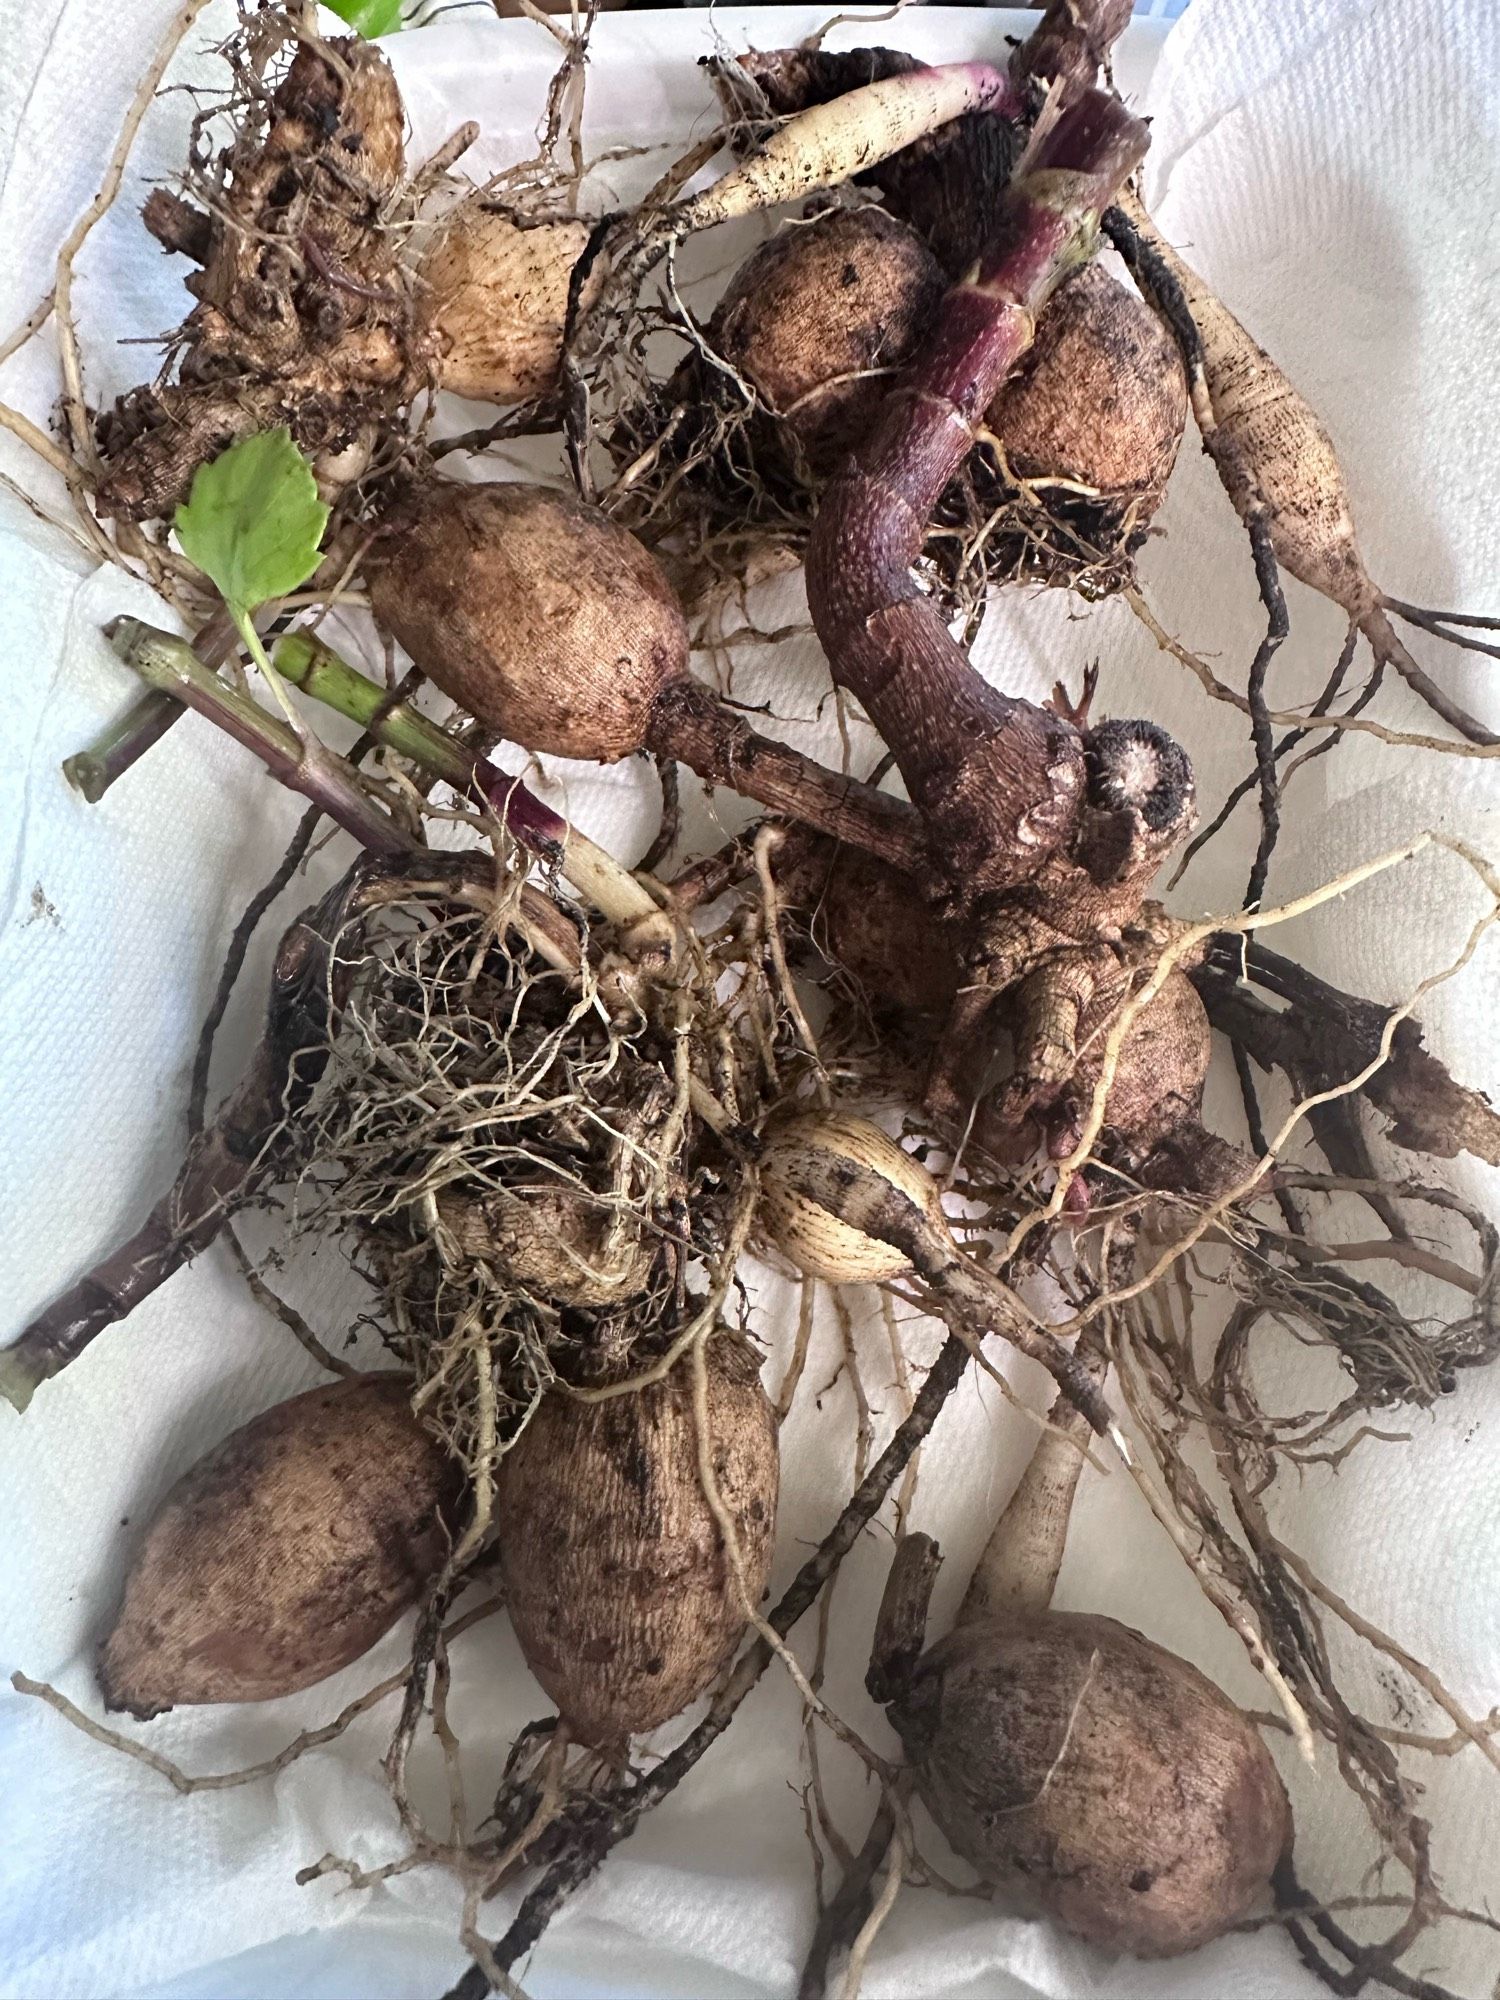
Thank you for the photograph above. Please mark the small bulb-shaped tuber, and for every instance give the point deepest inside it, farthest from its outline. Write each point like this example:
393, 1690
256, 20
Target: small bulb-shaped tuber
494, 294
814, 1239
817, 317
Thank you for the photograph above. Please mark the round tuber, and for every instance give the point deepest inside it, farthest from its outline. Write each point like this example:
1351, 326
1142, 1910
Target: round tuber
1110, 1783
614, 1567
1091, 421
817, 315
285, 1553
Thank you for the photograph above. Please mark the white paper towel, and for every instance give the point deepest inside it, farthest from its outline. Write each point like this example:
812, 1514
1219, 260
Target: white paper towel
1332, 168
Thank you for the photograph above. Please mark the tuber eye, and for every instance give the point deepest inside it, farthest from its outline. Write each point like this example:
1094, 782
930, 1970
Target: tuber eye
1135, 766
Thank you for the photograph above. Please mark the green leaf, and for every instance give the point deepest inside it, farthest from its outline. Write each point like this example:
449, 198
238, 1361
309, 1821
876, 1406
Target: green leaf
253, 520
369, 17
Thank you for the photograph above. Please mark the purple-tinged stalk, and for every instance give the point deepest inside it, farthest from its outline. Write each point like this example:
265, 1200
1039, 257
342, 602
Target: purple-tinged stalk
301, 764
999, 781
225, 1163
1069, 45
240, 1151
313, 666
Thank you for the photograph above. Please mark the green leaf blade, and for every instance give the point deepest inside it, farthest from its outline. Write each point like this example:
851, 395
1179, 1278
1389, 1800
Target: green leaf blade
369, 18
253, 521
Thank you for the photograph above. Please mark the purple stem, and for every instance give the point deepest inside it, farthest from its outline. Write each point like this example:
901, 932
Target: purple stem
998, 781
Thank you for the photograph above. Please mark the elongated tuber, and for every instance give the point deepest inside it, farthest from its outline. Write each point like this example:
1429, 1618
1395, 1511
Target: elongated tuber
1272, 451
285, 1553
622, 1595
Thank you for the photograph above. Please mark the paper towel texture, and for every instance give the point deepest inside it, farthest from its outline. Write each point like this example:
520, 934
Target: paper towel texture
1332, 166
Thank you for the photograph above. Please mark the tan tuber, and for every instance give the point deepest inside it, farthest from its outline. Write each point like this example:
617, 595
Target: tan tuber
817, 1242
285, 1553
620, 1590
493, 295
558, 629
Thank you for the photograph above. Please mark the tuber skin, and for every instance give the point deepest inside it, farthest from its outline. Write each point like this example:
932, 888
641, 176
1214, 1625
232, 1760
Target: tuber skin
614, 1569
1099, 402
1098, 1776
812, 315
493, 300
555, 1243
1067, 1758
302, 316
285, 1553
555, 627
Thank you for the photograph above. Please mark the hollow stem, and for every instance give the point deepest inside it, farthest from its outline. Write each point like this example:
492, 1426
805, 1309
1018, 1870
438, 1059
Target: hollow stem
169, 664
91, 772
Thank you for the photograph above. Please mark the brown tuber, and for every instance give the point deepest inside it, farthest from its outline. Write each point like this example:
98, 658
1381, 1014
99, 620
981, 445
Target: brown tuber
558, 629
533, 611
820, 313
285, 1553
1090, 425
614, 1568
1108, 1782
303, 315
1071, 1761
